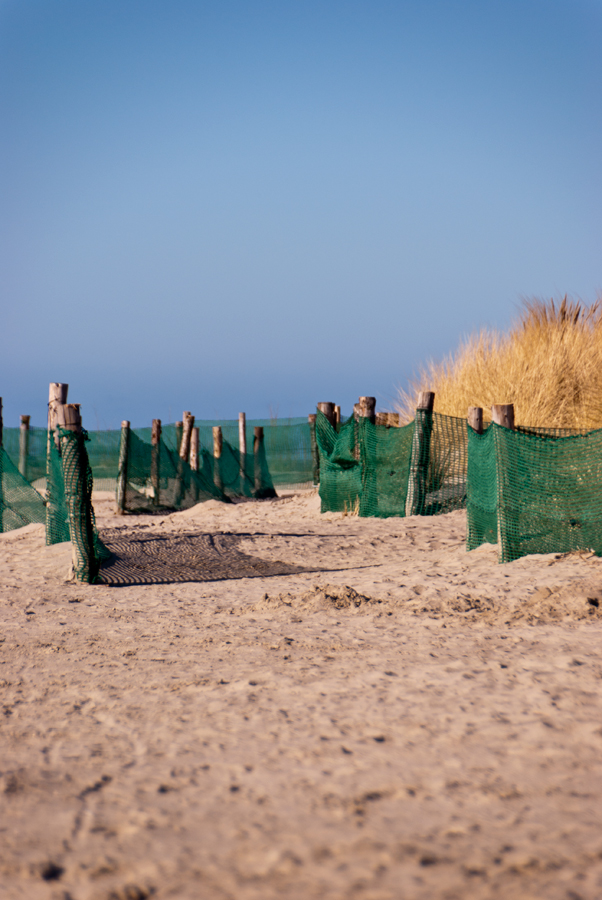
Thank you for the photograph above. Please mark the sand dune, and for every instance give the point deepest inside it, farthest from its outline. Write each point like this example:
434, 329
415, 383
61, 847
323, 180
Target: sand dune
365, 711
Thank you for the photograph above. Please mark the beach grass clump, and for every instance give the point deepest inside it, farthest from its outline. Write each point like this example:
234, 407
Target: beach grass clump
549, 364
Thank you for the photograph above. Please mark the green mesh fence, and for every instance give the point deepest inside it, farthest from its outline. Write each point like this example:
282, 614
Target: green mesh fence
534, 492
381, 470
20, 503
287, 448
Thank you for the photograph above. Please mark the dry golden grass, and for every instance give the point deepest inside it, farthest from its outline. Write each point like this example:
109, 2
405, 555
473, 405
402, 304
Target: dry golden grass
549, 365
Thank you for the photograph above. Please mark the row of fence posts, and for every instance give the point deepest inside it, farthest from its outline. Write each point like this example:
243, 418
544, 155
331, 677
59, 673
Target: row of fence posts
188, 449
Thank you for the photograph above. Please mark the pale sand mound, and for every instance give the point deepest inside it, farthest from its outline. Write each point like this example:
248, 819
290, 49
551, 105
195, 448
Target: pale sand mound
412, 721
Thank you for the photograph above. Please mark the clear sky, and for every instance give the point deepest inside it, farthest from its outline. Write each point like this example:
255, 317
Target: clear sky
224, 206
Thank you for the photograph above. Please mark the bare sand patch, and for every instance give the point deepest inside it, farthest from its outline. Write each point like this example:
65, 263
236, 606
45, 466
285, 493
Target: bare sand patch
376, 714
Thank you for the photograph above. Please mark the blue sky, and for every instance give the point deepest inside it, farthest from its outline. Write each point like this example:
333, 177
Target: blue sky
226, 206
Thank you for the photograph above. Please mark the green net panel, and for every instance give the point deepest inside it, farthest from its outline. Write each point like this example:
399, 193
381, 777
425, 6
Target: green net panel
20, 503
287, 449
158, 479
381, 470
57, 515
538, 493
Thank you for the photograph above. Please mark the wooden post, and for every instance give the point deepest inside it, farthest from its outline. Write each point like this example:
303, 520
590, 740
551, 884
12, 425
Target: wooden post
503, 414
77, 499
179, 428
337, 417
421, 447
242, 450
156, 461
367, 408
57, 396
218, 443
327, 409
188, 425
122, 475
257, 446
315, 455
393, 420
194, 461
475, 418
24, 445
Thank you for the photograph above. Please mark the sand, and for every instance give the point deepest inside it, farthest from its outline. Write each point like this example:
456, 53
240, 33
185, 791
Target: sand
369, 712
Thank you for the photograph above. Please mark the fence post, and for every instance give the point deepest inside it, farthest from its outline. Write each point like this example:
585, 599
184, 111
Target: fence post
24, 445
315, 455
475, 418
122, 475
156, 461
218, 444
327, 409
337, 417
179, 428
77, 494
57, 396
421, 448
257, 444
242, 449
194, 460
503, 414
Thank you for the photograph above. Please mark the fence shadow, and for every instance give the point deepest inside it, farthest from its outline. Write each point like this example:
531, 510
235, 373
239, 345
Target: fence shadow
140, 558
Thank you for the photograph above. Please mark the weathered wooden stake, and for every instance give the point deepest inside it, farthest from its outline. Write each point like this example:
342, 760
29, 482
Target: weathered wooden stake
367, 408
122, 475
315, 454
421, 447
327, 409
242, 449
24, 445
179, 428
218, 443
194, 460
475, 418
503, 414
257, 448
156, 461
394, 421
57, 396
75, 474
188, 425
337, 417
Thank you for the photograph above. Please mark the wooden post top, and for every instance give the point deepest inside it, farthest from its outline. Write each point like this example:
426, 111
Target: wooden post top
312, 418
503, 414
68, 416
475, 418
426, 400
125, 423
25, 421
156, 432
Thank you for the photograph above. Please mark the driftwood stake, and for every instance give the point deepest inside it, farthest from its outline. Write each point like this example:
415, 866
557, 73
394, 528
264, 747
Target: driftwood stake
242, 449
218, 444
77, 496
327, 409
156, 461
57, 396
475, 418
315, 455
337, 417
503, 414
188, 425
257, 452
421, 448
367, 408
122, 475
179, 428
194, 461
24, 445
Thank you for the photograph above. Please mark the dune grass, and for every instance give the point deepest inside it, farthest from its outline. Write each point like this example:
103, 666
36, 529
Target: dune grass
549, 365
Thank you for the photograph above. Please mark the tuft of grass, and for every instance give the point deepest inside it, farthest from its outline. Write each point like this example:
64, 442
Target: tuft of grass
549, 365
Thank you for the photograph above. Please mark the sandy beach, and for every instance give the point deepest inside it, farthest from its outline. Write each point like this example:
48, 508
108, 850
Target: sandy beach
365, 711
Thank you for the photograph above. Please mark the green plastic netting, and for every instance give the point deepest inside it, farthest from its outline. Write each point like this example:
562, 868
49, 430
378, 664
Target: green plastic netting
534, 491
20, 503
287, 448
156, 478
382, 470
